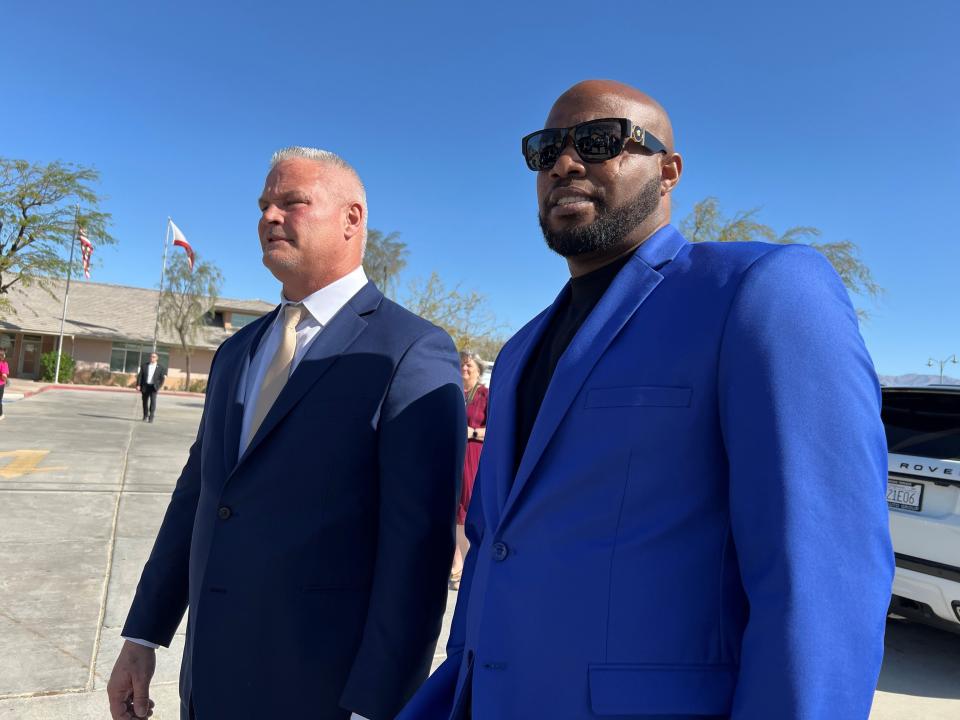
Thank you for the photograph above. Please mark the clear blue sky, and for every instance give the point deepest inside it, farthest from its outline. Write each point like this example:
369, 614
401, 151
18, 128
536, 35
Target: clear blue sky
840, 115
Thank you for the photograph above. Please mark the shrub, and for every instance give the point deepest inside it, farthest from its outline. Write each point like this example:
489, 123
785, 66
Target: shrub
48, 366
97, 376
100, 376
198, 386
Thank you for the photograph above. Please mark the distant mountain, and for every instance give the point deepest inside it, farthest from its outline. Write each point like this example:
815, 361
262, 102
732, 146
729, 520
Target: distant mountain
914, 380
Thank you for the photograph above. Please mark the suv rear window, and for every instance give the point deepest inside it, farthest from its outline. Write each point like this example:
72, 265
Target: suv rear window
926, 424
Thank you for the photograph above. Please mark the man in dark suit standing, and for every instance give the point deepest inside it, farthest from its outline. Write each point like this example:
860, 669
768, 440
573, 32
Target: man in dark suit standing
312, 528
149, 382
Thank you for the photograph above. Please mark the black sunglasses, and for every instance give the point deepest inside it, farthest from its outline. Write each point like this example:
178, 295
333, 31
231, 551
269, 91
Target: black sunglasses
595, 141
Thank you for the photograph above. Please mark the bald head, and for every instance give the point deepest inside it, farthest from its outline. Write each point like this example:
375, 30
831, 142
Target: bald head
622, 100
594, 211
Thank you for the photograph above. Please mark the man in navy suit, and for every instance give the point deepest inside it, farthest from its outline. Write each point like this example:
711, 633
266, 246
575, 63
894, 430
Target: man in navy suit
679, 512
311, 530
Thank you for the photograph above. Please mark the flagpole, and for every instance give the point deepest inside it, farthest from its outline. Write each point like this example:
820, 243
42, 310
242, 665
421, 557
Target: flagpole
163, 271
66, 294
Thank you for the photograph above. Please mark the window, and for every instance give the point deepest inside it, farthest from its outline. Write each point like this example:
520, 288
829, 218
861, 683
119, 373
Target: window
241, 319
214, 318
128, 357
924, 424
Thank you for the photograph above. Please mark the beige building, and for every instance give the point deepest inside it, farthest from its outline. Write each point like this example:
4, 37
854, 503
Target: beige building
109, 331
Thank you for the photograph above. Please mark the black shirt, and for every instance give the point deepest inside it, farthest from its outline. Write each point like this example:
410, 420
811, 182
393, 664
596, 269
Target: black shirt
583, 295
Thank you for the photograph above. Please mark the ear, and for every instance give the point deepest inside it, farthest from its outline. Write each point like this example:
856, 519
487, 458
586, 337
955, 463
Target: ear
353, 217
670, 170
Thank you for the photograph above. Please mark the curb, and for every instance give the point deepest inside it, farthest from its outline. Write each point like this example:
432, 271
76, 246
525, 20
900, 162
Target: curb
97, 388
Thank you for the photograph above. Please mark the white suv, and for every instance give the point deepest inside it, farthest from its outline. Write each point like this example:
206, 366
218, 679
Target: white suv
923, 493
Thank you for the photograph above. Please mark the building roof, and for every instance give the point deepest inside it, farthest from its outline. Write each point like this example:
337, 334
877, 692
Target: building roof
109, 312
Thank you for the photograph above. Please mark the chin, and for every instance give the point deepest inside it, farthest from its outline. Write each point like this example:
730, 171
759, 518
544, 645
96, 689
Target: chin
279, 260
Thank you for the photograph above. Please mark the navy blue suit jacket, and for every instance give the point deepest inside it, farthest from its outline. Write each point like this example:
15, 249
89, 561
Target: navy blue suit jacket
697, 527
315, 565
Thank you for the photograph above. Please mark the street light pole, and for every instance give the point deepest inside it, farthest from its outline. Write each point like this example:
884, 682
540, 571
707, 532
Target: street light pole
952, 359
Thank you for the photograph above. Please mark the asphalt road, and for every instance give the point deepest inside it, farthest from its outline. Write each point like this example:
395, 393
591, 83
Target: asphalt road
83, 487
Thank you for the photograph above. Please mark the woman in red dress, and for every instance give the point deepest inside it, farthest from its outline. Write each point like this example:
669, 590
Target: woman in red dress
475, 396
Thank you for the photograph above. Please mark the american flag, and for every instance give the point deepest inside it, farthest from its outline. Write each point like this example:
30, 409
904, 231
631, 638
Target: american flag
86, 250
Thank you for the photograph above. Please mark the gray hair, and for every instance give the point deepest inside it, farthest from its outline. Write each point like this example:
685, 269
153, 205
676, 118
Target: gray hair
467, 355
325, 157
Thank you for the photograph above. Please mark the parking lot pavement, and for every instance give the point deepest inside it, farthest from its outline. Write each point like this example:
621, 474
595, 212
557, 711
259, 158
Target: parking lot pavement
920, 679
83, 487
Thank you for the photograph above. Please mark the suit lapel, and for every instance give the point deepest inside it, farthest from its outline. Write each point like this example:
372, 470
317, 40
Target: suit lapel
333, 341
237, 386
501, 438
632, 285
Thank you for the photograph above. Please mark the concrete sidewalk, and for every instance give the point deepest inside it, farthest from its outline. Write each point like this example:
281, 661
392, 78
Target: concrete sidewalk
82, 492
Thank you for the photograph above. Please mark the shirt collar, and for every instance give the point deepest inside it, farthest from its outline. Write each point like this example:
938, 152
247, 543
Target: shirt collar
327, 301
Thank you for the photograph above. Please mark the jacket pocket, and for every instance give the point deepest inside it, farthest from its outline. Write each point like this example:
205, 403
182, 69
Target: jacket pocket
648, 396
620, 689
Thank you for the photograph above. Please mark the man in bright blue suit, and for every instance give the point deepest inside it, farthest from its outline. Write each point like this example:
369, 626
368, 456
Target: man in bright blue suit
311, 530
679, 511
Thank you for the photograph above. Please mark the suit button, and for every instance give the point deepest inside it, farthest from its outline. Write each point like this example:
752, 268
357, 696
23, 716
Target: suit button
224, 513
500, 551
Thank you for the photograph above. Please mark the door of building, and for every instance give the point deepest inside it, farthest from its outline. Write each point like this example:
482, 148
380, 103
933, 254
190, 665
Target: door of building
30, 358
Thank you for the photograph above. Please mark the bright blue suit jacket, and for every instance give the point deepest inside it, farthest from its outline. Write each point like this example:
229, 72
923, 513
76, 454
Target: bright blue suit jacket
315, 565
697, 527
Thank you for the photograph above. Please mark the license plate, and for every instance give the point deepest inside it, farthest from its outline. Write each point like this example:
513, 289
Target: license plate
904, 495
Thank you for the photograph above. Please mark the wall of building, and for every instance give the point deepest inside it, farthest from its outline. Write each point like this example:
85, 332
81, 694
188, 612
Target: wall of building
199, 366
89, 354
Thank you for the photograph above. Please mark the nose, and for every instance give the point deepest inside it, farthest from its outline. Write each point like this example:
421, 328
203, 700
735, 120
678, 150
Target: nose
569, 162
271, 214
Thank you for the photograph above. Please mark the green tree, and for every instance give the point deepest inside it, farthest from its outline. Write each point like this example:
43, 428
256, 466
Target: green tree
37, 212
384, 258
48, 366
464, 314
488, 346
707, 223
188, 296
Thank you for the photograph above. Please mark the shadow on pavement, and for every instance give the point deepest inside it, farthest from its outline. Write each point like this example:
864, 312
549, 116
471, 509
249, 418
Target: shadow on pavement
920, 661
110, 417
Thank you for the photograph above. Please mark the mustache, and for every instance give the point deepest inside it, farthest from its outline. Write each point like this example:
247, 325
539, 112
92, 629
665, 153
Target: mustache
568, 189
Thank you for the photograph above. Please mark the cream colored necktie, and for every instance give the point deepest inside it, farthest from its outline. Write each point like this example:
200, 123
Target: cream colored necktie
279, 370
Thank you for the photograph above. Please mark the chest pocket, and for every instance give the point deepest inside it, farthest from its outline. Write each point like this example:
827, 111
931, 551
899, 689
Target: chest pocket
639, 396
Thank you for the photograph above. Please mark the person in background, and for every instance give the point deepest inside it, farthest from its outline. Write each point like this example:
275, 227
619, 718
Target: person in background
4, 374
475, 396
149, 382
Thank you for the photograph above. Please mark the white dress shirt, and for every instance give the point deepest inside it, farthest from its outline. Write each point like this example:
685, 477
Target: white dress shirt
321, 307
151, 369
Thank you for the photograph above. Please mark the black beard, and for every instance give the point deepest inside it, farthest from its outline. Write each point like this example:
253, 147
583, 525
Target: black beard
610, 228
